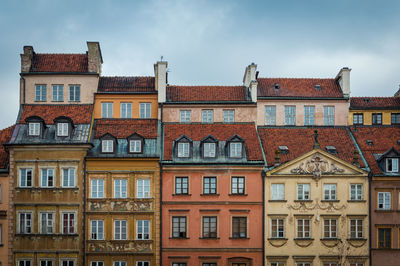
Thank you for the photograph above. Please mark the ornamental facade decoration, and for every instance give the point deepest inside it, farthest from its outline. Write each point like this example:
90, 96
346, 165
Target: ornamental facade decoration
127, 205
304, 207
134, 246
316, 166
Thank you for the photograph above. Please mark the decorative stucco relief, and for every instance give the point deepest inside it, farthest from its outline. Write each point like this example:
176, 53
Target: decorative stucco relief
120, 247
316, 166
108, 205
309, 206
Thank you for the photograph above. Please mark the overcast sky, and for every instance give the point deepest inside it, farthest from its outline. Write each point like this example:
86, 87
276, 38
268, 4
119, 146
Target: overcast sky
210, 42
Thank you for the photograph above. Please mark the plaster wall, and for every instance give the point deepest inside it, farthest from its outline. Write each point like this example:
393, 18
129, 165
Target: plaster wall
4, 201
367, 116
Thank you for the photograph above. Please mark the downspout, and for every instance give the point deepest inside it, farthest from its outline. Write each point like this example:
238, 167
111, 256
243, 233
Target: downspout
84, 210
161, 158
23, 89
369, 218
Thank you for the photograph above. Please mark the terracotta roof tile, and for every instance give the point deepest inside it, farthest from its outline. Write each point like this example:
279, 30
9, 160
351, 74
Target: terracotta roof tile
375, 103
383, 138
60, 63
206, 93
127, 84
123, 128
5, 136
301, 140
79, 113
298, 87
197, 132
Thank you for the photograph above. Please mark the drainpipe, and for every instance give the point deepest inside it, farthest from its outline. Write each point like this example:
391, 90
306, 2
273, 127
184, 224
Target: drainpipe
23, 90
161, 158
369, 216
263, 174
84, 210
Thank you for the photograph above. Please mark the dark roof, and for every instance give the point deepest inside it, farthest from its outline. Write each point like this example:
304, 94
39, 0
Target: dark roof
76, 63
220, 131
79, 113
383, 138
299, 87
300, 140
5, 136
123, 128
126, 84
206, 93
375, 103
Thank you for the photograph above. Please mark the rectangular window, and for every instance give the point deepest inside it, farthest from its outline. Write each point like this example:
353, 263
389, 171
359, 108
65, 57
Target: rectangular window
24, 263
229, 116
68, 223
209, 227
179, 264
208, 264
135, 145
377, 119
68, 177
356, 192
237, 185
119, 263
395, 118
270, 115
34, 129
384, 200
46, 222
330, 228
106, 110
47, 177
126, 110
107, 145
183, 149
58, 93
25, 223
97, 188
277, 228
120, 230
142, 229
356, 264
179, 227
96, 263
330, 264
46, 263
185, 116
392, 165
384, 237
358, 119
235, 150
303, 228
41, 91
120, 188
207, 116
62, 129
143, 188
329, 115
303, 191
67, 262
290, 115
277, 192
181, 185
329, 191
97, 230
309, 115
277, 264
303, 264
143, 263
239, 227
25, 177
145, 110
74, 93
356, 228
209, 150
210, 185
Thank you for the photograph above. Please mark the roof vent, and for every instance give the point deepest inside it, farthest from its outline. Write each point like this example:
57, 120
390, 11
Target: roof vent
283, 149
369, 142
367, 100
276, 86
318, 87
331, 149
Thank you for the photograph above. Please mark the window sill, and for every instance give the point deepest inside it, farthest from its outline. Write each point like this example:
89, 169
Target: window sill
277, 200
329, 239
303, 238
277, 238
239, 238
237, 194
299, 200
356, 201
330, 200
385, 211
74, 101
356, 239
209, 238
179, 238
181, 194
209, 194
40, 101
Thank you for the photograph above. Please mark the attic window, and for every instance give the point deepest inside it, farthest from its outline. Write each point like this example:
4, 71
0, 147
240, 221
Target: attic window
318, 87
367, 100
34, 129
107, 145
62, 129
331, 149
283, 149
276, 86
369, 142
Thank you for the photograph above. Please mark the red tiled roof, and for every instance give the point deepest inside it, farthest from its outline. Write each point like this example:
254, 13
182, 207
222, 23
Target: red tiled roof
197, 132
5, 136
301, 140
375, 103
123, 128
79, 113
298, 87
383, 139
59, 63
127, 84
206, 93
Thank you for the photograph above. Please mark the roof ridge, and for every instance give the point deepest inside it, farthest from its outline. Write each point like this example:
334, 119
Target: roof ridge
127, 77
60, 53
379, 97
9, 127
47, 104
222, 86
290, 78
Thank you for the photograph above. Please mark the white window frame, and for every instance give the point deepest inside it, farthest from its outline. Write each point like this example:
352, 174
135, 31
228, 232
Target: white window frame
107, 109
97, 263
331, 233
145, 110
330, 191
355, 233
290, 115
277, 263
229, 116
384, 200
58, 93
120, 263
135, 145
46, 262
74, 93
185, 116
27, 223
120, 230
68, 213
235, 149
67, 262
329, 115
303, 192
303, 233
23, 180
142, 263
143, 188
280, 228
303, 264
34, 129
44, 178
270, 115
68, 177
207, 116
24, 262
395, 165
183, 149
126, 110
141, 232
107, 145
49, 222
97, 229
309, 115
40, 92
97, 188
277, 191
120, 188
209, 149
356, 191
62, 129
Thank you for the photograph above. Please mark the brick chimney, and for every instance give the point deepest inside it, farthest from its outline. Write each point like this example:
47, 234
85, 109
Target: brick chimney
26, 59
160, 73
343, 78
250, 80
95, 59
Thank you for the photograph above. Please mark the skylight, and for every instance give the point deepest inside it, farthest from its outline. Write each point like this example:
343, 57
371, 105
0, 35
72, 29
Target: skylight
331, 149
283, 149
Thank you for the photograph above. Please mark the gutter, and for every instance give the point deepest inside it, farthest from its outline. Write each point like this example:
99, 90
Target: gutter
84, 210
58, 73
300, 98
358, 149
215, 102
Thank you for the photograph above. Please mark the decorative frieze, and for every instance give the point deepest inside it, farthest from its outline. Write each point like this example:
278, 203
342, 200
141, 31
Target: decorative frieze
108, 205
316, 166
125, 246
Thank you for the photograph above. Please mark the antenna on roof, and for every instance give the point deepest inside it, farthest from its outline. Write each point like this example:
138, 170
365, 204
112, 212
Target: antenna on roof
162, 57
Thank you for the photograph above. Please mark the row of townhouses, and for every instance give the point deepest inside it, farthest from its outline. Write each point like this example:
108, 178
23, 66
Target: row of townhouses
118, 171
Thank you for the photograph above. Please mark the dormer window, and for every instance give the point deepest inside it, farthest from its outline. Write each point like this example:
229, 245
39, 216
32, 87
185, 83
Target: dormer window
107, 145
235, 150
392, 165
135, 146
62, 129
34, 129
209, 150
183, 149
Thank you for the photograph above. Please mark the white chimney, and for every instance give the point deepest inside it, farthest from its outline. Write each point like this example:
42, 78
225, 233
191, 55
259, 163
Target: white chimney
160, 73
343, 77
249, 80
253, 90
